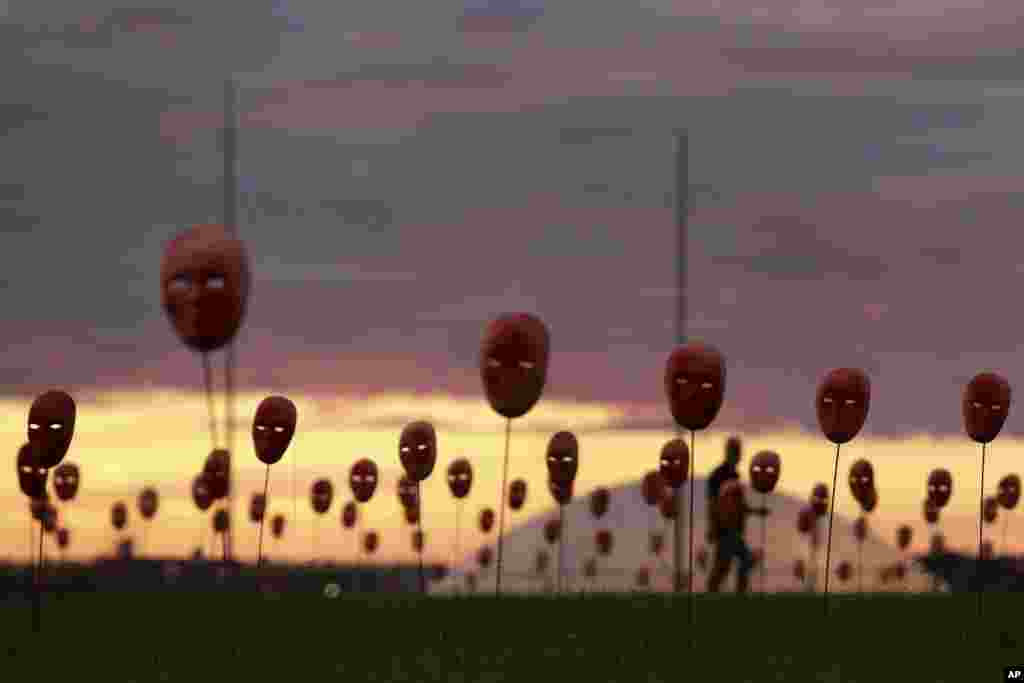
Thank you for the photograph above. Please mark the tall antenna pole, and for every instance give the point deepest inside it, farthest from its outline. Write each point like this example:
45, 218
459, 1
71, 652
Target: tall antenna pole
682, 211
230, 150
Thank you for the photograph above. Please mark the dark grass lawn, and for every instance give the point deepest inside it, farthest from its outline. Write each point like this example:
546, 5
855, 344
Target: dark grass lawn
598, 638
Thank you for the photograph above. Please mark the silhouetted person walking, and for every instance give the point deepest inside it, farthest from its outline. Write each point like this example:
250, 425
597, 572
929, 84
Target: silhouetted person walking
725, 472
730, 513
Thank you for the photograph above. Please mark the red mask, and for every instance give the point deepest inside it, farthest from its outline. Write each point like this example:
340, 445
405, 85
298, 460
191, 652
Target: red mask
603, 541
257, 508
370, 542
273, 428
149, 501
119, 515
460, 478
349, 514
844, 571
903, 537
1009, 491
986, 404
417, 450
552, 531
277, 526
486, 520
514, 363
362, 479
695, 385
842, 403
765, 469
51, 424
66, 479
674, 463
321, 496
940, 487
517, 494
562, 457
204, 280
217, 471
990, 510
31, 475
201, 495
862, 480
599, 500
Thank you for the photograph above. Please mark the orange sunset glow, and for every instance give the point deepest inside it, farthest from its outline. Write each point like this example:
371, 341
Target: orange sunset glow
124, 441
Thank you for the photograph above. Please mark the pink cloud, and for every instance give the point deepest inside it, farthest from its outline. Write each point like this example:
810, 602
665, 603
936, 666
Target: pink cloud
928, 190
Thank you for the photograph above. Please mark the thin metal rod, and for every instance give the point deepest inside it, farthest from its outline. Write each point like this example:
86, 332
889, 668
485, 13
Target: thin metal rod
263, 519
981, 514
501, 506
831, 514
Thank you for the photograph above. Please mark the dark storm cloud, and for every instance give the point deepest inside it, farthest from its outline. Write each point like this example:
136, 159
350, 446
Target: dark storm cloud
402, 192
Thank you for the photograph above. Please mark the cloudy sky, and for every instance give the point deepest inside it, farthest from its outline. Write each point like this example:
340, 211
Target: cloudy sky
410, 170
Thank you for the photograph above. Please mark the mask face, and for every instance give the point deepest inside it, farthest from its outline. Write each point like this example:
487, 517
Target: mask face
561, 492
842, 404
674, 463
695, 385
844, 571
257, 508
903, 537
486, 520
517, 494
31, 475
543, 562
986, 404
201, 494
819, 499
417, 450
652, 489
990, 510
657, 543
370, 542
273, 428
862, 480
643, 577
603, 541
119, 515
860, 529
940, 487
217, 471
418, 541
552, 531
277, 526
349, 515
599, 501
221, 521
514, 363
321, 495
149, 500
65, 481
204, 286
1009, 491
765, 469
460, 478
931, 512
51, 424
562, 457
408, 493
362, 479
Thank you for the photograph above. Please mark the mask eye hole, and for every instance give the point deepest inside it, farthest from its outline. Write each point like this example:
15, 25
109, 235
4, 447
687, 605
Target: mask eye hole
493, 363
681, 381
706, 385
215, 282
996, 407
850, 402
179, 284
422, 447
526, 365
279, 430
977, 405
33, 426
827, 399
405, 449
261, 428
